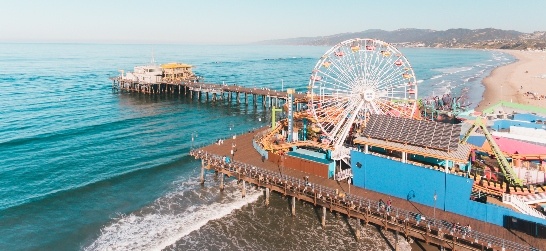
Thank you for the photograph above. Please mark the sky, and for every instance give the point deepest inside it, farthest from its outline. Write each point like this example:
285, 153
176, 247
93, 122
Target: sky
246, 21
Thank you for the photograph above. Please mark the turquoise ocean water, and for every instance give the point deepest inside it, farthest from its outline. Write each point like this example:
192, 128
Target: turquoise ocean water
82, 167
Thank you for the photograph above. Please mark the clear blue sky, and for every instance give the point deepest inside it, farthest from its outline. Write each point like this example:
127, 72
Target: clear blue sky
238, 21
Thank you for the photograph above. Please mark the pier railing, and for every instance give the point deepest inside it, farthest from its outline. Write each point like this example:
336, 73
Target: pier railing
358, 205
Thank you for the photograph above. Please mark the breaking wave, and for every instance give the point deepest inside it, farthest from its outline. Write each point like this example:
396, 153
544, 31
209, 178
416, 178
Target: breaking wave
171, 217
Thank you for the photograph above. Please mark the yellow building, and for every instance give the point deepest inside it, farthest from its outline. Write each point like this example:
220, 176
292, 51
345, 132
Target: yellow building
177, 72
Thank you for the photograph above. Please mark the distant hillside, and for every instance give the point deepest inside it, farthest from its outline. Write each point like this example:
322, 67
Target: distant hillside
453, 38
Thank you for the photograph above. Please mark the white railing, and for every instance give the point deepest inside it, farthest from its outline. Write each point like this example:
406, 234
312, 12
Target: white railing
516, 202
344, 174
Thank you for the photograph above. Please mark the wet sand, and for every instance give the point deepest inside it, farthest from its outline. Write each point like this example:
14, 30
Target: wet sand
514, 82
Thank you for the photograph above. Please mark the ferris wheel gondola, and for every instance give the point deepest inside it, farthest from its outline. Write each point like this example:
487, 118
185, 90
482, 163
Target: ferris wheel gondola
358, 77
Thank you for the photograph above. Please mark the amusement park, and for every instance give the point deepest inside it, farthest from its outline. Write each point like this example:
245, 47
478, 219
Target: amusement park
361, 134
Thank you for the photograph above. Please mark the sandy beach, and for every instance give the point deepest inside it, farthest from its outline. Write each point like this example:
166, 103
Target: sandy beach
523, 81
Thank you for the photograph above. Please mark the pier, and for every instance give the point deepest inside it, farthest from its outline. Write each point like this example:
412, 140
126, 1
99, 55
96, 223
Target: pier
405, 218
209, 91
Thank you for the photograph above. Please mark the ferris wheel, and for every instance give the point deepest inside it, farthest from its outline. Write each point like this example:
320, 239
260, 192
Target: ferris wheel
358, 77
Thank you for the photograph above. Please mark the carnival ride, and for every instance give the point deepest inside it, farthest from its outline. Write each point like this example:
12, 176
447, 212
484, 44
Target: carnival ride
355, 78
503, 163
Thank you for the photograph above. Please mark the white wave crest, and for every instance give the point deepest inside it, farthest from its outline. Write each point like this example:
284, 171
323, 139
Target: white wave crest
155, 230
453, 70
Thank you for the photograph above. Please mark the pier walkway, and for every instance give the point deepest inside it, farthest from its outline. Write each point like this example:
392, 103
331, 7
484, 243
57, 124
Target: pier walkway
409, 218
209, 91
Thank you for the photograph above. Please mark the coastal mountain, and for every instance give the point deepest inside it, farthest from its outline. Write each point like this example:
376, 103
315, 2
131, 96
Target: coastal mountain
488, 38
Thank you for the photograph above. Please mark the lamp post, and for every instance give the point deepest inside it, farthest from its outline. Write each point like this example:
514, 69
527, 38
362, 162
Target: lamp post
231, 126
434, 212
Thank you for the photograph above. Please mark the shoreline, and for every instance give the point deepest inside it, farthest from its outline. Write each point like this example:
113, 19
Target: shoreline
523, 81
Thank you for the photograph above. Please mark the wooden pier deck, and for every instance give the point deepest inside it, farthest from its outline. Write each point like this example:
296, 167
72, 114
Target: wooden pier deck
209, 91
357, 203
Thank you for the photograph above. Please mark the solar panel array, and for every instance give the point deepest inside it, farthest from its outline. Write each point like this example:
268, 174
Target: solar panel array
429, 134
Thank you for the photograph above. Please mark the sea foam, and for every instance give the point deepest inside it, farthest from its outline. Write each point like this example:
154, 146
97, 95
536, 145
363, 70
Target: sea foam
162, 227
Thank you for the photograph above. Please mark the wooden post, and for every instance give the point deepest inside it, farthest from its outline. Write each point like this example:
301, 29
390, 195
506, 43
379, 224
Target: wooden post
367, 218
293, 205
358, 225
386, 221
244, 189
396, 241
202, 171
267, 196
323, 217
221, 181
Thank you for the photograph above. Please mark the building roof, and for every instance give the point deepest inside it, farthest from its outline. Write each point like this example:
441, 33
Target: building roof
512, 146
460, 155
421, 133
175, 65
509, 107
478, 141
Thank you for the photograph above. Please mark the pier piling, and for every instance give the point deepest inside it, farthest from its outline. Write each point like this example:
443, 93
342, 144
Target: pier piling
267, 196
221, 181
323, 217
293, 205
358, 226
396, 241
243, 193
202, 179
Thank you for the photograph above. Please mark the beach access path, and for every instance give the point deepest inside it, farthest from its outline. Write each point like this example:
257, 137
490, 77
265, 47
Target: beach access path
523, 81
246, 153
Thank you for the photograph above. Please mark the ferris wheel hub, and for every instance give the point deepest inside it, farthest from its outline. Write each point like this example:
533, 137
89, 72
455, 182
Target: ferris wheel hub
368, 95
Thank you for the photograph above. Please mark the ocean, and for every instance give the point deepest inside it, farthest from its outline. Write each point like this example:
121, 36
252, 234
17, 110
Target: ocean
84, 168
